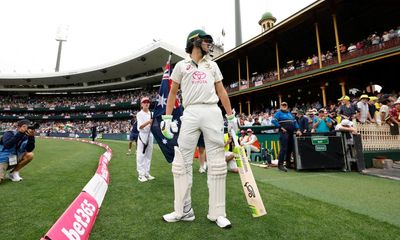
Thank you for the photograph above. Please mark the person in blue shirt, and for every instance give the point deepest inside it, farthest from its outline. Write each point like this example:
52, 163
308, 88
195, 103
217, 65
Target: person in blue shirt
287, 125
303, 122
322, 123
16, 150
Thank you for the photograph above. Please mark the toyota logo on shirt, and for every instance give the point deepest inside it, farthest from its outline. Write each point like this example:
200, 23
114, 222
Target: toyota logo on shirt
197, 75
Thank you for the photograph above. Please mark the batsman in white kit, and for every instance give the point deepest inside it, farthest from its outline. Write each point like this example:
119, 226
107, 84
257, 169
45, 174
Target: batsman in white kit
200, 80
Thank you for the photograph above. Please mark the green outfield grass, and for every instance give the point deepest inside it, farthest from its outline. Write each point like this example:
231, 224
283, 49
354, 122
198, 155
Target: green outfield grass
300, 205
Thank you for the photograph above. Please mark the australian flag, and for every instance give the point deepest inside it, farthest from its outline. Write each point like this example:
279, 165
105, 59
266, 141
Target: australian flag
166, 145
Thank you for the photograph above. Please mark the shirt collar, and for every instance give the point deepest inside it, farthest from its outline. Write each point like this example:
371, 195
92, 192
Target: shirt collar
188, 59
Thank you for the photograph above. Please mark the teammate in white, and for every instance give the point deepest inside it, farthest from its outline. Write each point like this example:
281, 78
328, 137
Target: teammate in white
201, 84
144, 148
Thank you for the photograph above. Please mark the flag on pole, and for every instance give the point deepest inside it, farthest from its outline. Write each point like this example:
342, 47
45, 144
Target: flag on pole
166, 145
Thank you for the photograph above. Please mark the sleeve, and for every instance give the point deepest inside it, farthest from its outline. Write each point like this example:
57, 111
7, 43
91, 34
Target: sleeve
340, 110
217, 73
176, 74
296, 125
140, 120
30, 145
10, 140
275, 120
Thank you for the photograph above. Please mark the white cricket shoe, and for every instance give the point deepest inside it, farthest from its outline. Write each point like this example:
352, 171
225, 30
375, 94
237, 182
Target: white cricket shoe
149, 177
222, 222
202, 170
172, 217
15, 177
142, 179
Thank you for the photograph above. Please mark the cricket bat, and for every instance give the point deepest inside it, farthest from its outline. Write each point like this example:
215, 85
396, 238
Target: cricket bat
248, 183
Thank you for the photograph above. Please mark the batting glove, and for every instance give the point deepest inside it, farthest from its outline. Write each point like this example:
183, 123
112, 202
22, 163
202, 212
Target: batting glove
168, 127
232, 122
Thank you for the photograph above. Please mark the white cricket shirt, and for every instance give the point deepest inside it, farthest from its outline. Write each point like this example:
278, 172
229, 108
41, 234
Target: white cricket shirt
197, 81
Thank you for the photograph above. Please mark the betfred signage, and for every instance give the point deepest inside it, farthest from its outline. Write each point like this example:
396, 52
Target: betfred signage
77, 221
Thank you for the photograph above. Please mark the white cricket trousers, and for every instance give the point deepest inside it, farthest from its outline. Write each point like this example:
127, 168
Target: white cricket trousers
143, 160
205, 118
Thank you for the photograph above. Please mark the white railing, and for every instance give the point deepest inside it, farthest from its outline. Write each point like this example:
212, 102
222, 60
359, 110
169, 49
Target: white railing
376, 137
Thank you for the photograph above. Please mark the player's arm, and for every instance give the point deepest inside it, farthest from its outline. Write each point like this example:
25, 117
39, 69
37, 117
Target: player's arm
171, 98
223, 96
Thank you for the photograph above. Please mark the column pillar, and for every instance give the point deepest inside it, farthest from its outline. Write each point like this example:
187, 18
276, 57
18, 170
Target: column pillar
336, 38
343, 87
318, 45
277, 60
323, 95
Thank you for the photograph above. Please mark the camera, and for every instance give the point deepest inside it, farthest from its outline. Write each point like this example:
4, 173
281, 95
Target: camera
34, 126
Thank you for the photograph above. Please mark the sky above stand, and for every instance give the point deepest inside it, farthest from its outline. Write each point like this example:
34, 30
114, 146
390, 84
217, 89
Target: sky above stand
103, 31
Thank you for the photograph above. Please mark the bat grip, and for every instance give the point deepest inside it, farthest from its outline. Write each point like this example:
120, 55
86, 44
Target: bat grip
235, 138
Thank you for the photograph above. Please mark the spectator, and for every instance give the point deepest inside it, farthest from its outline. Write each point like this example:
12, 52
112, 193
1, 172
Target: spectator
303, 122
384, 110
133, 136
256, 122
287, 125
351, 48
16, 150
322, 123
347, 110
252, 144
309, 61
329, 55
243, 137
363, 115
394, 112
314, 59
372, 107
229, 156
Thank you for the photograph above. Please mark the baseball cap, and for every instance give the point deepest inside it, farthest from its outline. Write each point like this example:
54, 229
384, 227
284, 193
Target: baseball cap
145, 99
249, 130
284, 103
347, 122
23, 122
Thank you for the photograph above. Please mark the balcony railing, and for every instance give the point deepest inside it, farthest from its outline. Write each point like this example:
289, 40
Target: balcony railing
395, 42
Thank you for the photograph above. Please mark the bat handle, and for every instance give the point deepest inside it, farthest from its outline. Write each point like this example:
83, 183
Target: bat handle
234, 137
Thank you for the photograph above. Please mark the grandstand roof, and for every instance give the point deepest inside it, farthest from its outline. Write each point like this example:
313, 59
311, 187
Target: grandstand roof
141, 67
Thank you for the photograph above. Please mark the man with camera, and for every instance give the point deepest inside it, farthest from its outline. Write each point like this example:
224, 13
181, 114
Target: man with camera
16, 149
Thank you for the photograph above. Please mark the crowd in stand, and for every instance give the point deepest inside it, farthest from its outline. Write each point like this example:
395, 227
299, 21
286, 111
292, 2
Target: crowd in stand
49, 101
380, 109
71, 114
313, 118
113, 126
326, 58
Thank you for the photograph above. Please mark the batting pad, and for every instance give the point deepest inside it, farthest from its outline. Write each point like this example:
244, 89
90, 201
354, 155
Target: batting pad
182, 183
216, 188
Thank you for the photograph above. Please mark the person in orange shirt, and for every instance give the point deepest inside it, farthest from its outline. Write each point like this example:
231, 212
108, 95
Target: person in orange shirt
251, 144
